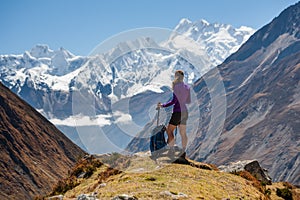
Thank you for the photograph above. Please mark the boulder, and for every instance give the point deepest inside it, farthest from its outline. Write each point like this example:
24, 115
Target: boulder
251, 166
87, 197
258, 172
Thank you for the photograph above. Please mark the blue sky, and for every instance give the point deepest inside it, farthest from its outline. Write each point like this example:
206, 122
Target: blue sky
80, 25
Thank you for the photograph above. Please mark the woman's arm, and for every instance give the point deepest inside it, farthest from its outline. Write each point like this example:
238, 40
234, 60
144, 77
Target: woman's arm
172, 102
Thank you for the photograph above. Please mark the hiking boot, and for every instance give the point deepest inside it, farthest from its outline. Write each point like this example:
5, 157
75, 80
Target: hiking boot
183, 154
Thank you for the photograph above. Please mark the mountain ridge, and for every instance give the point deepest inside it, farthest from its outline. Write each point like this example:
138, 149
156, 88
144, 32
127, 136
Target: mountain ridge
260, 89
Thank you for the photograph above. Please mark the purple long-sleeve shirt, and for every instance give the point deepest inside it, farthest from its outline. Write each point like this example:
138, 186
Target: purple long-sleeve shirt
181, 97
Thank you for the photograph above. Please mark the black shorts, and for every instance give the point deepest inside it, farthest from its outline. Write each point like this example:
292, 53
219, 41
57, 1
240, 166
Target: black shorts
179, 118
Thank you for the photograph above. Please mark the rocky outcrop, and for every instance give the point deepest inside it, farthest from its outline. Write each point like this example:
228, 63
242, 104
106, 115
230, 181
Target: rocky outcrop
261, 174
251, 166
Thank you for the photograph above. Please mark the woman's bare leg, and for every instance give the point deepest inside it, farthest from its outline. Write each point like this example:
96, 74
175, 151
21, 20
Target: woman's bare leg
184, 139
170, 130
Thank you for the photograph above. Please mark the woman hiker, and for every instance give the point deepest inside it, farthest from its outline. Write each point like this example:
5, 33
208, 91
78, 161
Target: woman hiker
181, 97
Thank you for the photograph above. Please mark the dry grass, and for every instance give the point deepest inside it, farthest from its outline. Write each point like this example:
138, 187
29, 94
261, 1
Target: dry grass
83, 170
194, 181
256, 183
147, 179
283, 185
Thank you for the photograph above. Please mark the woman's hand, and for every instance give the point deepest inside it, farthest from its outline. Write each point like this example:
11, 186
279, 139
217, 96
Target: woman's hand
159, 105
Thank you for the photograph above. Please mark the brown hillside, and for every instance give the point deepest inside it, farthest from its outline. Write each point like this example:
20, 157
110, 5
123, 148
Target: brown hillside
34, 153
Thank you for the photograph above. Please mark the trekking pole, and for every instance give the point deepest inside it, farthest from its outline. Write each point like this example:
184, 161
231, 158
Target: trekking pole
158, 110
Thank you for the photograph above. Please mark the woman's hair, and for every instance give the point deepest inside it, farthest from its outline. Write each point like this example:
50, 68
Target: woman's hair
179, 76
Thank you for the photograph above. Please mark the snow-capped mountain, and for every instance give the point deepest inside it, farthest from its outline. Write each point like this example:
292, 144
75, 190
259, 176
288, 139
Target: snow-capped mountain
99, 90
41, 65
218, 40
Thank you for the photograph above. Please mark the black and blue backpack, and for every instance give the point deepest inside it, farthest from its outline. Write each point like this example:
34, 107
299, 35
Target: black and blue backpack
157, 139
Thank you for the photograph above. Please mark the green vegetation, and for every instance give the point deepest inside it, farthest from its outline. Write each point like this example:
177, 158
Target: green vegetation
285, 193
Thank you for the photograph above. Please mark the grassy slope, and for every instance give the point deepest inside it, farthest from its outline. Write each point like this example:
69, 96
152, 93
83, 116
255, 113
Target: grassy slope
144, 178
152, 180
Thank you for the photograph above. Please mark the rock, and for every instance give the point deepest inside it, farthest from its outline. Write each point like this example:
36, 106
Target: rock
172, 195
261, 174
81, 175
124, 197
87, 197
57, 197
102, 185
234, 166
251, 166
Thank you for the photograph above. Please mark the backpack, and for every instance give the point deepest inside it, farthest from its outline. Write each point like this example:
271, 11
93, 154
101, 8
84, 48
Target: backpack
157, 139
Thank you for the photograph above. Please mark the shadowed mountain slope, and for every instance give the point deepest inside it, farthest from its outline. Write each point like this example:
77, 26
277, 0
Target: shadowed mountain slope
34, 153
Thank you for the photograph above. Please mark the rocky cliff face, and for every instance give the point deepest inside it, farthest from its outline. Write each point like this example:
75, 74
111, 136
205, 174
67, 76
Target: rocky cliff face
34, 154
261, 103
263, 108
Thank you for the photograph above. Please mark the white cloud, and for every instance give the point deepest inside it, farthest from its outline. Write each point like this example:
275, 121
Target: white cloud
122, 118
79, 120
